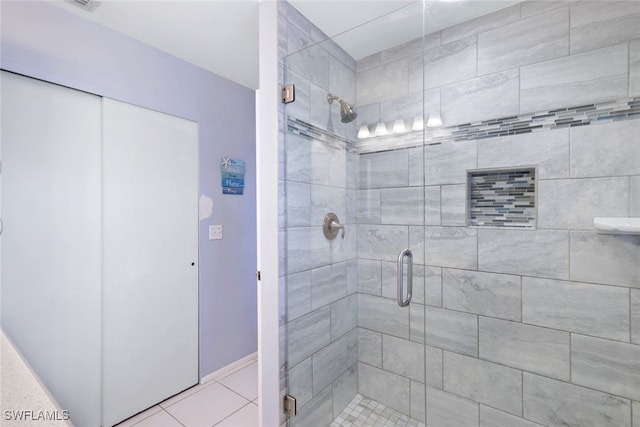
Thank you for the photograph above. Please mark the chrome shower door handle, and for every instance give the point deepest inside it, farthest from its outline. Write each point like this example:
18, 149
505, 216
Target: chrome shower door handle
402, 301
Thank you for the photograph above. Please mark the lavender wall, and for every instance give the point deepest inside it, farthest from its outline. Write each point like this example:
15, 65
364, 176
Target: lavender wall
45, 42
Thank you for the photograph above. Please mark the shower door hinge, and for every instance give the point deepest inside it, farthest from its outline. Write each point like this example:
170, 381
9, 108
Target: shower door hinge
290, 405
258, 274
289, 93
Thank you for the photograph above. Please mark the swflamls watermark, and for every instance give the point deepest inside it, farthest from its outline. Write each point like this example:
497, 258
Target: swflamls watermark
34, 415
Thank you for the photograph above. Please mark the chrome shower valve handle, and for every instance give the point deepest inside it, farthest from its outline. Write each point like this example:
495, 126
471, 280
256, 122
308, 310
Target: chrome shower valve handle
331, 226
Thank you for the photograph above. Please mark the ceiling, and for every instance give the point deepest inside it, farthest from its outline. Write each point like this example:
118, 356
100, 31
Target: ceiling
222, 35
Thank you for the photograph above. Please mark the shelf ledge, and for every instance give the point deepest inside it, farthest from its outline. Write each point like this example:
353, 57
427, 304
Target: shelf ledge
604, 225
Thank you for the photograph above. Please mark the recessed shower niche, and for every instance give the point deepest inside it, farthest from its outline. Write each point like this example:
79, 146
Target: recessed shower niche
504, 198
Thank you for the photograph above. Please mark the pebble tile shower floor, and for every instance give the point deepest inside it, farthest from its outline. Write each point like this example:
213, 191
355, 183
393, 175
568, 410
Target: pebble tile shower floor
365, 412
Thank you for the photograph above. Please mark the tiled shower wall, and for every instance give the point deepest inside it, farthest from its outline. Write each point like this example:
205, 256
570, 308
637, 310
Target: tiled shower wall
318, 281
523, 327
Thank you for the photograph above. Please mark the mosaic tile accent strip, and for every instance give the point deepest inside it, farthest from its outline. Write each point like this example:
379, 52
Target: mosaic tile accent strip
502, 198
581, 115
307, 130
365, 412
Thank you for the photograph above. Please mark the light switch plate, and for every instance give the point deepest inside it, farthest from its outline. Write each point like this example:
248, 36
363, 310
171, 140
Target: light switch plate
215, 232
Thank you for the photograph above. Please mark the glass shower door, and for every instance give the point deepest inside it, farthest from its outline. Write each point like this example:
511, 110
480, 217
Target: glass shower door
349, 348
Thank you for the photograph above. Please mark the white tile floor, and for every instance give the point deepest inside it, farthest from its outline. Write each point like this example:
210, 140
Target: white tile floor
231, 401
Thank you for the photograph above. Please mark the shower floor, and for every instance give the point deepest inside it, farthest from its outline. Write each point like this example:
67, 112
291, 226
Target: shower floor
365, 412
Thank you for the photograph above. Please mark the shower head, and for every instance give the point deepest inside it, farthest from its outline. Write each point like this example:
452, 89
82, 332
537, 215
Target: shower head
347, 113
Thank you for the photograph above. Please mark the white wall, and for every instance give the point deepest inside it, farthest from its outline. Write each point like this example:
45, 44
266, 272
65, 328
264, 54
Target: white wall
46, 42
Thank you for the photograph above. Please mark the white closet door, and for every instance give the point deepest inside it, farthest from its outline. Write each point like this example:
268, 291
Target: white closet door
51, 250
150, 242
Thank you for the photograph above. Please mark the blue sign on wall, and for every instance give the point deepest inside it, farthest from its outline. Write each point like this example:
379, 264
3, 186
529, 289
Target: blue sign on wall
232, 175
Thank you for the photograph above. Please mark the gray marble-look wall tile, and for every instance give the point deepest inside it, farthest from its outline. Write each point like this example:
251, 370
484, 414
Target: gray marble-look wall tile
416, 322
298, 206
383, 315
481, 98
634, 68
298, 294
338, 165
404, 50
454, 203
416, 243
573, 203
634, 199
446, 409
483, 23
597, 24
383, 242
329, 363
402, 206
370, 347
485, 382
611, 149
596, 310
390, 280
351, 210
535, 7
368, 114
403, 357
432, 102
548, 151
298, 155
309, 61
405, 107
432, 205
418, 402
344, 249
308, 334
530, 348
385, 387
384, 169
301, 107
352, 276
328, 284
433, 363
455, 247
541, 253
551, 402
352, 347
368, 207
490, 417
528, 41
369, 276
368, 62
345, 389
605, 365
318, 412
593, 76
635, 317
307, 248
382, 83
636, 414
344, 316
301, 382
451, 62
452, 330
342, 81
605, 258
488, 294
433, 286
416, 73
416, 166
325, 199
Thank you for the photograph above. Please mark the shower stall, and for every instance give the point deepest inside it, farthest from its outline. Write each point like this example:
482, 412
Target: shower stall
461, 161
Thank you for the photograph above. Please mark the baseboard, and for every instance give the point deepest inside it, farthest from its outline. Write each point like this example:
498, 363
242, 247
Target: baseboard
230, 368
